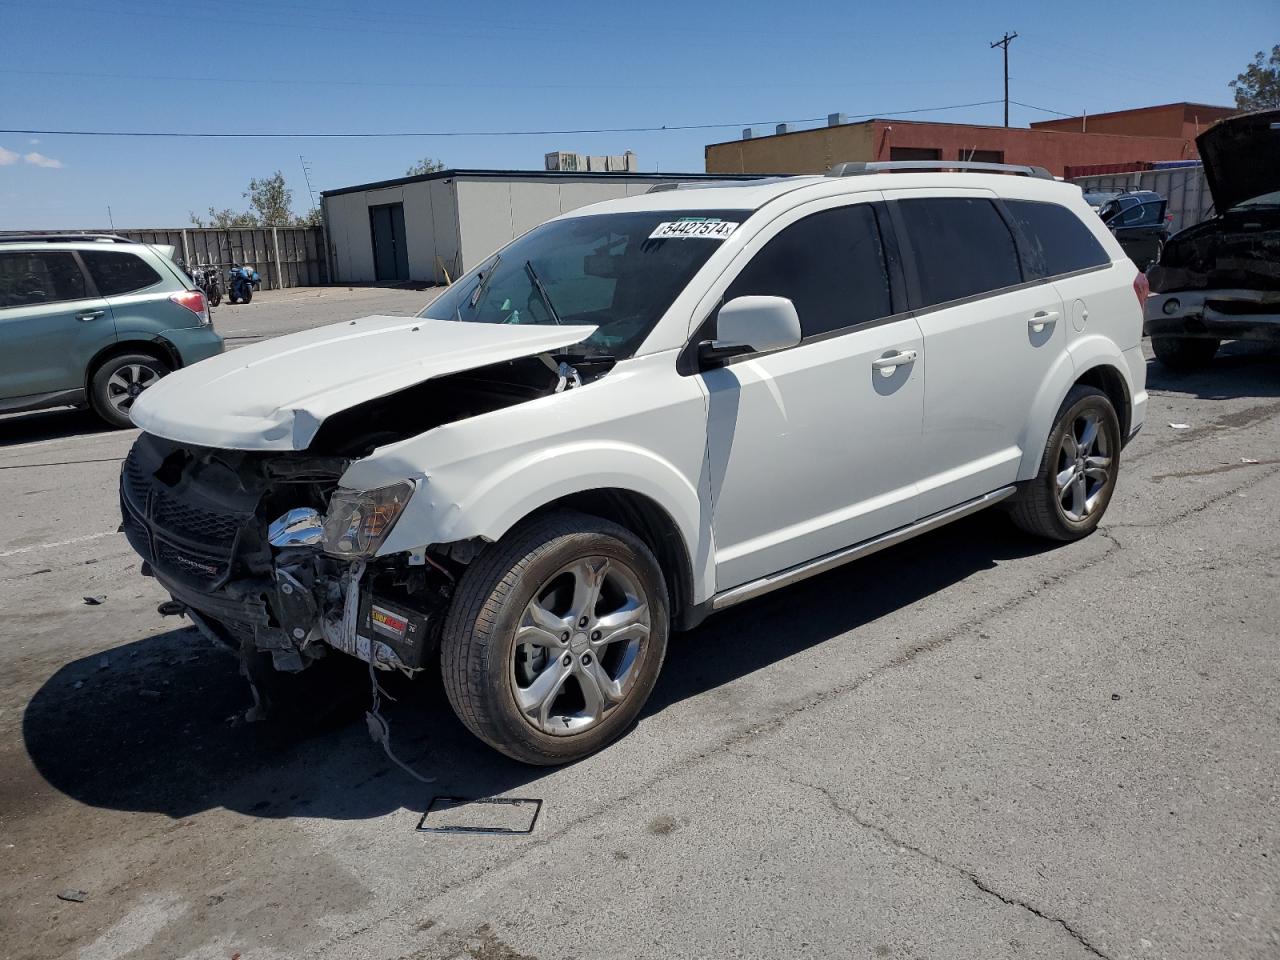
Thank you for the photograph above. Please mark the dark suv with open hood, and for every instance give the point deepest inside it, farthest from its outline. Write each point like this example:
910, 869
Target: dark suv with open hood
1220, 279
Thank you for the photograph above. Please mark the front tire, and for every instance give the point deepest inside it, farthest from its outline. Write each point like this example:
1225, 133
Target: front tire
119, 381
1078, 470
555, 638
1184, 353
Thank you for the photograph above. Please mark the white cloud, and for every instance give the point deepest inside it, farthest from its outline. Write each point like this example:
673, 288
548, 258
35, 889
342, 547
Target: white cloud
40, 160
7, 157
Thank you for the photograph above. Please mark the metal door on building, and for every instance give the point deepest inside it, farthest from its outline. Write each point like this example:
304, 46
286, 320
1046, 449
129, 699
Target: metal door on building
390, 253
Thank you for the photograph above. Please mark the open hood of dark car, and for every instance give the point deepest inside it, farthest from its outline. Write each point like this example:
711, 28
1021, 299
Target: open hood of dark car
1241, 157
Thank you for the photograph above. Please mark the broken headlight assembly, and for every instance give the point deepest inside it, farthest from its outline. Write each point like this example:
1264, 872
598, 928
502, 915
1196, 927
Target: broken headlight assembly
358, 521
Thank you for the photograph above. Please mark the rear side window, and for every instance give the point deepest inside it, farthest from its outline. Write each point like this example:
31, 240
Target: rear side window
962, 247
31, 279
117, 273
1056, 241
831, 265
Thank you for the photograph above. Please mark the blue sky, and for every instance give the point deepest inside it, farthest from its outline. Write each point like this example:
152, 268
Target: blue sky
384, 65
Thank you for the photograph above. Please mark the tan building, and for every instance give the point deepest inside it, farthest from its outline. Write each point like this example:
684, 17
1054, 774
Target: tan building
1155, 133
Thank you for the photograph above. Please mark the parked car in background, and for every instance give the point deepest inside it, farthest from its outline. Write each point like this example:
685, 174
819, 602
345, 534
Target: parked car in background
1220, 279
1139, 220
635, 415
93, 320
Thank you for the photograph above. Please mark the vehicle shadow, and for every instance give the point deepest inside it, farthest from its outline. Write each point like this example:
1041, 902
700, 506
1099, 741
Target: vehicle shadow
1239, 370
49, 425
158, 728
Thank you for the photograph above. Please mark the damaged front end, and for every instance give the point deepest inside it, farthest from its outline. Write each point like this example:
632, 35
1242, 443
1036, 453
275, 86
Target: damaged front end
268, 554
1219, 279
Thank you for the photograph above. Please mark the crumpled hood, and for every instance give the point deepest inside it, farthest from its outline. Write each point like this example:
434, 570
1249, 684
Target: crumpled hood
274, 395
1241, 157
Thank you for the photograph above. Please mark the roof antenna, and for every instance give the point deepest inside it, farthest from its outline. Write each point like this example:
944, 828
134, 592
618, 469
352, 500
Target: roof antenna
110, 220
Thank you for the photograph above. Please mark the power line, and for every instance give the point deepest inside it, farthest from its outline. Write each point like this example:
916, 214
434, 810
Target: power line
471, 133
1032, 106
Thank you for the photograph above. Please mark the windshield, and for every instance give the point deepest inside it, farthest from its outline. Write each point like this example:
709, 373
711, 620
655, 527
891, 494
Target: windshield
1264, 200
606, 270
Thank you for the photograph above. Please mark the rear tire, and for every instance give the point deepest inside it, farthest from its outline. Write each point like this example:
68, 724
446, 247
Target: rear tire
118, 382
1184, 353
555, 638
1078, 470
248, 295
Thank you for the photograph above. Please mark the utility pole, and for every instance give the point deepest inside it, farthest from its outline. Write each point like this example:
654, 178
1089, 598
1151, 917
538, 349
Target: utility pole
1004, 43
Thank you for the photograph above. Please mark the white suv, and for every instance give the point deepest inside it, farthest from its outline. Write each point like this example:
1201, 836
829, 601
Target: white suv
638, 414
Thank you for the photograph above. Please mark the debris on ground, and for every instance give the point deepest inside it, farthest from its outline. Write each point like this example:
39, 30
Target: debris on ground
1249, 460
1180, 426
103, 663
1115, 696
94, 601
73, 896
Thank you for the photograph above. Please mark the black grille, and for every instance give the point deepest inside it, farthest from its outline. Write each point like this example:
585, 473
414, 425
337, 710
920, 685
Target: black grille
183, 535
170, 515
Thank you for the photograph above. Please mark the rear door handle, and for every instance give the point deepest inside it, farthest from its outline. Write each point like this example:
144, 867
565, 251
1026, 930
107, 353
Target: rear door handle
900, 358
89, 314
1042, 319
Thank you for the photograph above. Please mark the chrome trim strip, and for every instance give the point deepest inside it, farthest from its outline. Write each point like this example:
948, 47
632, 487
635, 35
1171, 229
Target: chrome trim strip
756, 588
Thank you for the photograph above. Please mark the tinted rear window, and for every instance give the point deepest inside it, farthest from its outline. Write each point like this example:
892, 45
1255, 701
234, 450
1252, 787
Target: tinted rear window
31, 279
1056, 241
118, 273
962, 247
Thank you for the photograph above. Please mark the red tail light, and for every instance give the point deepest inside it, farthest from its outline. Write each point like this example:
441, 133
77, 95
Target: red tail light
194, 301
1142, 287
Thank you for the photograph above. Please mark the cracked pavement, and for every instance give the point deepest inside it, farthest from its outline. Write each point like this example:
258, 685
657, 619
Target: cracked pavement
972, 745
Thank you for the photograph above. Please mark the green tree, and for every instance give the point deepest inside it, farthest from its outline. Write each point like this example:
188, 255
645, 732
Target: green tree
425, 165
270, 200
270, 205
1258, 88
224, 219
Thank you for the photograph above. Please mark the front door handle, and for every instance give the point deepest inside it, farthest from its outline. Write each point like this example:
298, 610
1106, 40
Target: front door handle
888, 364
89, 315
1041, 320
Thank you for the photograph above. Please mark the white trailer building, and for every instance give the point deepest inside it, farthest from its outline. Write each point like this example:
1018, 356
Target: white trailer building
436, 226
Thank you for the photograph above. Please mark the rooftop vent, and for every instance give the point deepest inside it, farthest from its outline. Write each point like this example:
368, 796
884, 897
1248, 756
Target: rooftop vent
837, 119
780, 128
746, 133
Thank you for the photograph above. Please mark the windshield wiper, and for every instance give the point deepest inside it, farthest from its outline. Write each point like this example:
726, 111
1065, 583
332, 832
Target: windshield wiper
542, 291
484, 276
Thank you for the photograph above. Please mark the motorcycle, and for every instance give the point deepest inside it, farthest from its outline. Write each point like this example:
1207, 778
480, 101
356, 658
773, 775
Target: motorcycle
208, 279
243, 281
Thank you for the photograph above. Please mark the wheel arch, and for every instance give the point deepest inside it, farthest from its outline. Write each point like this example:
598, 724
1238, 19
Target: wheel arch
157, 347
649, 521
1093, 361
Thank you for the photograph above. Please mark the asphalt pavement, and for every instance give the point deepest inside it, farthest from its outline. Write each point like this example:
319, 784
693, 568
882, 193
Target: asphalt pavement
973, 745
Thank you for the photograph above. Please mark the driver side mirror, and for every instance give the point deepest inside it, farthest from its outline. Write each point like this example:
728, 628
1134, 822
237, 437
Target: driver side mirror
751, 325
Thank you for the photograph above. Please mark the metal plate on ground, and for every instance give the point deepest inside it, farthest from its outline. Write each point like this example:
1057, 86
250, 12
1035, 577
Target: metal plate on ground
494, 815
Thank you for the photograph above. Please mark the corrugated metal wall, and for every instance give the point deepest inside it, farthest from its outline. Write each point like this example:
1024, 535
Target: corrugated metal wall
301, 261
1186, 189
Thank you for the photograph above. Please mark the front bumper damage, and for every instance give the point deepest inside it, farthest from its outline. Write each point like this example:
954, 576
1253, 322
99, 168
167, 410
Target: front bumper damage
1231, 314
200, 520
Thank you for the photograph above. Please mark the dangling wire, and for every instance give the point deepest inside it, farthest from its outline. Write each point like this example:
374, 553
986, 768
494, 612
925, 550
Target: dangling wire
379, 728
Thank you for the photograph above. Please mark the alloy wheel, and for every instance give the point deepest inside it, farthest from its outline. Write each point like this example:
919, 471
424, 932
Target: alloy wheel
1084, 466
127, 383
579, 645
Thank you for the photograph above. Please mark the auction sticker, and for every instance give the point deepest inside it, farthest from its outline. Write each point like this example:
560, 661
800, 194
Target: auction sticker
694, 228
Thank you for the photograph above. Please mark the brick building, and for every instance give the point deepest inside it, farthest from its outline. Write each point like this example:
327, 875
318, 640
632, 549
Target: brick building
1152, 133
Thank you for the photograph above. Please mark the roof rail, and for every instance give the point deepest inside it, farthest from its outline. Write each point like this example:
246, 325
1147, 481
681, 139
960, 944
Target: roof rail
56, 237
712, 184
859, 167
